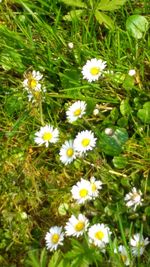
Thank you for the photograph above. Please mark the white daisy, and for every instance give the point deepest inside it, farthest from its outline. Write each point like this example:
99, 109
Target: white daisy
99, 235
54, 238
138, 244
95, 111
31, 83
132, 72
95, 187
76, 226
133, 198
93, 69
67, 152
76, 110
46, 135
123, 254
81, 191
84, 141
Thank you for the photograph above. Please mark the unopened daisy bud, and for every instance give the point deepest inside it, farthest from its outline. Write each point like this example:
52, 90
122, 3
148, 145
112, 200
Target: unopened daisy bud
109, 131
95, 111
71, 45
132, 72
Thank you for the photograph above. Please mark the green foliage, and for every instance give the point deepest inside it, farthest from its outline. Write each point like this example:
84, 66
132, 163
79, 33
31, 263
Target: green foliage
137, 26
144, 113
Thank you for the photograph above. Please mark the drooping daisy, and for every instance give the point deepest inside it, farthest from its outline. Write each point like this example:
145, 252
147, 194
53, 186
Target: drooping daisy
123, 254
99, 235
93, 69
31, 83
76, 110
138, 244
81, 191
95, 187
54, 238
76, 226
67, 152
46, 135
133, 199
84, 141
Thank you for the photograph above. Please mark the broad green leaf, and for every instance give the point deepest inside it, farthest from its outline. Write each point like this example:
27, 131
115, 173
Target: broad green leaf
55, 259
104, 19
144, 113
112, 144
109, 5
125, 108
137, 26
119, 162
76, 3
74, 14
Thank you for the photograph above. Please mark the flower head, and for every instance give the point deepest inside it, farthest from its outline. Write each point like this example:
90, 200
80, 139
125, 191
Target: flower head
123, 254
76, 110
84, 141
81, 191
46, 135
99, 235
93, 69
133, 198
138, 244
31, 83
95, 187
132, 72
76, 226
67, 152
54, 238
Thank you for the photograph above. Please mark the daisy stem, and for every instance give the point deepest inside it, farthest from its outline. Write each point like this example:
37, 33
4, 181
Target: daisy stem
41, 113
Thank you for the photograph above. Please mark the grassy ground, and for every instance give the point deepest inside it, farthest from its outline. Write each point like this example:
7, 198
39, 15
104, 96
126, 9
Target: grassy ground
34, 182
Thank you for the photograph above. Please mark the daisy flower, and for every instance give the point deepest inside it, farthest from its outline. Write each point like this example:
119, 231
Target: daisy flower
54, 238
123, 254
81, 191
67, 152
76, 226
138, 244
133, 198
93, 69
99, 235
31, 83
132, 72
76, 110
84, 141
46, 135
95, 187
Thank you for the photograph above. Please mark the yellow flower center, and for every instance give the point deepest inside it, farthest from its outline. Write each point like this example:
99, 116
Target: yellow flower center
32, 83
83, 192
79, 226
47, 136
99, 235
69, 152
77, 112
94, 70
55, 238
124, 258
85, 142
93, 187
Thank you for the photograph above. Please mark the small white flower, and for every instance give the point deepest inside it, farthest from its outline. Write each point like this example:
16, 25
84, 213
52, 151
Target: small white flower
132, 72
95, 187
123, 254
46, 135
81, 191
31, 83
93, 69
84, 141
76, 226
109, 131
54, 238
99, 235
76, 110
71, 45
95, 111
67, 152
138, 244
133, 198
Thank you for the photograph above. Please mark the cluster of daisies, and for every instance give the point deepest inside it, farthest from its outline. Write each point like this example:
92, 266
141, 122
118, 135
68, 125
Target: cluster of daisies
98, 235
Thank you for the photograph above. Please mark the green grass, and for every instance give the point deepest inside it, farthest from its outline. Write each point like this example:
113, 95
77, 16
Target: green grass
34, 182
